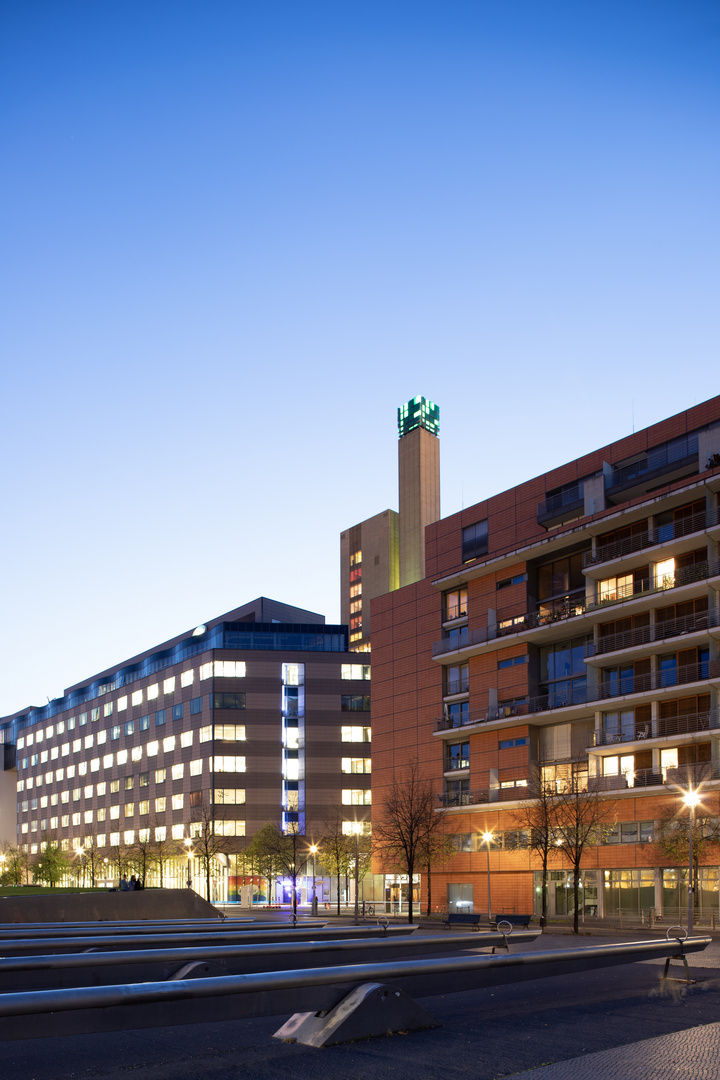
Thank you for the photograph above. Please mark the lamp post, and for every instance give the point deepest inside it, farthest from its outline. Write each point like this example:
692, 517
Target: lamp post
691, 800
488, 838
357, 829
188, 846
313, 851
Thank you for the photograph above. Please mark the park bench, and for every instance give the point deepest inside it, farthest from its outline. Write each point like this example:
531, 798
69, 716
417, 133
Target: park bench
514, 920
464, 918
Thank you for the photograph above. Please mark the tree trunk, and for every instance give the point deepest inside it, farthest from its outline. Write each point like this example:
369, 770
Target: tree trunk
429, 894
543, 915
338, 893
576, 894
410, 893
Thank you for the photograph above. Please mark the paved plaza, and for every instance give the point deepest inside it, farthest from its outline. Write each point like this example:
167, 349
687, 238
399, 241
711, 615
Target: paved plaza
615, 1023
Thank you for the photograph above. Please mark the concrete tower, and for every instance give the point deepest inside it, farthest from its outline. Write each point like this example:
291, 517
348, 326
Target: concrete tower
418, 482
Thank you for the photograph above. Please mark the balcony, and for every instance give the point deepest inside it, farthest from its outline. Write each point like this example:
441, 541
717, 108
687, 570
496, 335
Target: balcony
670, 726
462, 798
620, 549
552, 611
661, 631
685, 575
680, 777
664, 464
457, 686
558, 508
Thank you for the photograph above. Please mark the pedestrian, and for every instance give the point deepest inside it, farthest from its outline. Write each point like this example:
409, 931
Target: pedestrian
123, 884
133, 884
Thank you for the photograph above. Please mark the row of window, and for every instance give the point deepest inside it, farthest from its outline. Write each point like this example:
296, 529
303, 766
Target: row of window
625, 832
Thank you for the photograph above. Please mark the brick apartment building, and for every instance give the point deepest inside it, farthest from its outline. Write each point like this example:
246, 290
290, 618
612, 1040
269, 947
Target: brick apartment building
570, 623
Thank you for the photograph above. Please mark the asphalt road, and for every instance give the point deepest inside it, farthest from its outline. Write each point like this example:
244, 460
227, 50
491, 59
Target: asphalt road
485, 1034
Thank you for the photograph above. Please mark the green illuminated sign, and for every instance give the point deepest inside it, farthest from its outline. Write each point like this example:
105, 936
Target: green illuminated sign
418, 412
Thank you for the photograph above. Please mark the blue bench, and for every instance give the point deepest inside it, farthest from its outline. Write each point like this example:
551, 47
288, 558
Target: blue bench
465, 918
514, 920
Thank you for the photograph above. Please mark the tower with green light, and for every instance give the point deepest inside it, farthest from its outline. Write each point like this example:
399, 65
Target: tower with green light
418, 482
383, 552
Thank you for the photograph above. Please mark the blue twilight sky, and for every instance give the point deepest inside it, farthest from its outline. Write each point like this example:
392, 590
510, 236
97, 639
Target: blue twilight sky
236, 236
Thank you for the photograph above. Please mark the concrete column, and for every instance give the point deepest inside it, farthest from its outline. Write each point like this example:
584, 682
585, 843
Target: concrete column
655, 717
658, 891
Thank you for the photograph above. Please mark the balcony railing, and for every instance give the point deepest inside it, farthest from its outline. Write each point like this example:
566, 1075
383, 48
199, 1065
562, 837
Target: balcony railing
581, 695
661, 631
570, 498
552, 611
619, 549
457, 686
462, 798
666, 458
684, 575
664, 727
462, 763
694, 773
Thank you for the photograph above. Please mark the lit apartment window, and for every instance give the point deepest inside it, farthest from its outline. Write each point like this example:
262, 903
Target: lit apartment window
178, 801
122, 704
186, 739
178, 771
356, 765
137, 697
356, 797
187, 678
355, 734
178, 831
169, 685
228, 796
455, 603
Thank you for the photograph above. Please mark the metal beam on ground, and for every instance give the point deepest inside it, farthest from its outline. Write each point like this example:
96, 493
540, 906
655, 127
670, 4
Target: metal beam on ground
234, 997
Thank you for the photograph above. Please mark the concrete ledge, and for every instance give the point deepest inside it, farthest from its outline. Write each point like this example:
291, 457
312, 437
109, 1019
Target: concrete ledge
101, 906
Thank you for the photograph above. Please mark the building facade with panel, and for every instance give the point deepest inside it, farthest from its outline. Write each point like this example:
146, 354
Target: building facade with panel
568, 627
261, 715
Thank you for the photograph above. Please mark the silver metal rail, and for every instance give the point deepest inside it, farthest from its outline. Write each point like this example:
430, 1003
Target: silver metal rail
190, 1001
280, 932
150, 965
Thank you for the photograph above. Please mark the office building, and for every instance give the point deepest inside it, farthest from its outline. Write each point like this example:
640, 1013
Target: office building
566, 628
260, 715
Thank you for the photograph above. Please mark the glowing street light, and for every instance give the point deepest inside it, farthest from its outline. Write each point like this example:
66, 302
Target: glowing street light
313, 852
488, 838
691, 799
188, 846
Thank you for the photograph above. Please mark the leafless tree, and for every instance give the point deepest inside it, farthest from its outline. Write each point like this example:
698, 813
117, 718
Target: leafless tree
337, 850
207, 843
537, 816
288, 852
580, 815
407, 831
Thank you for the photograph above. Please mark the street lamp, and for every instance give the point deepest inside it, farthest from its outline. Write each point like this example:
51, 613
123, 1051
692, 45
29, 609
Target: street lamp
357, 827
188, 846
488, 838
313, 852
691, 800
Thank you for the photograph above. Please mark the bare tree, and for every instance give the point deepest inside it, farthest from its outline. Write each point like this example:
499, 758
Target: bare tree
673, 835
288, 852
337, 850
208, 843
580, 815
259, 857
161, 848
537, 815
406, 831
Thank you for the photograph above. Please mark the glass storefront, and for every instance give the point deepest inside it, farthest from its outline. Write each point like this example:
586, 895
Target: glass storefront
561, 892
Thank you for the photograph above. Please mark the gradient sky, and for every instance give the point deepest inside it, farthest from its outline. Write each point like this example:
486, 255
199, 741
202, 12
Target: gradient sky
237, 236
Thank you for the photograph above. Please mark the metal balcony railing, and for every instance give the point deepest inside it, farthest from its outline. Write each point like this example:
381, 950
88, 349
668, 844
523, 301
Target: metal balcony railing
567, 499
663, 728
642, 635
462, 798
684, 575
665, 458
551, 611
619, 549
